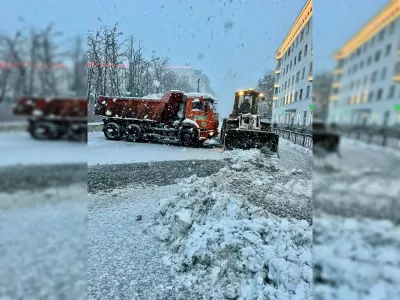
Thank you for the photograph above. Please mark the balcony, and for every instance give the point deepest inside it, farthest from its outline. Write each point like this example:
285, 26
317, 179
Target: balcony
276, 84
275, 97
335, 85
310, 75
278, 70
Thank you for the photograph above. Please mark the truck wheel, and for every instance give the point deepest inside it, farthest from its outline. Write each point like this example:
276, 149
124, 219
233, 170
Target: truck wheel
112, 131
77, 133
44, 131
188, 138
133, 133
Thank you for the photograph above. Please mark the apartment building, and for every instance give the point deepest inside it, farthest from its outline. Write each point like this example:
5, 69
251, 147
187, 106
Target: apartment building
292, 102
193, 76
366, 89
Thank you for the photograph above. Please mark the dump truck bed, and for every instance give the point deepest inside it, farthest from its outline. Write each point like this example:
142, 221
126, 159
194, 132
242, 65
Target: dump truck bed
139, 108
55, 108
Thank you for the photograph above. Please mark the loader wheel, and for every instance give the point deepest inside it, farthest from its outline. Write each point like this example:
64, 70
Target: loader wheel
133, 133
44, 131
112, 131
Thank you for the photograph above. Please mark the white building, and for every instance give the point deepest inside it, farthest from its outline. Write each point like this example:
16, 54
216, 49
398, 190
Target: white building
293, 75
193, 76
366, 88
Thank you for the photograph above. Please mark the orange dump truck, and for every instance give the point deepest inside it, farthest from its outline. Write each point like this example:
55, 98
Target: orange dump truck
188, 118
54, 118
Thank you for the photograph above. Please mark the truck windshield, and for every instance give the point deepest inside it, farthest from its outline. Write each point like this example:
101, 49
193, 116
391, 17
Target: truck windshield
212, 104
197, 105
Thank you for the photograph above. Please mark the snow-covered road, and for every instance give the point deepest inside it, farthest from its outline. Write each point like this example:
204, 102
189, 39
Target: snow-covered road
19, 148
43, 244
263, 251
103, 151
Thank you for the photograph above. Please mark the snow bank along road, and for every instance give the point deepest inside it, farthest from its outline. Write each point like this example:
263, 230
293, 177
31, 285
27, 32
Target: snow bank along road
356, 224
238, 231
43, 232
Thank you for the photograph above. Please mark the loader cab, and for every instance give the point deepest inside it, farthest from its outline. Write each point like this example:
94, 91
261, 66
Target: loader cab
246, 102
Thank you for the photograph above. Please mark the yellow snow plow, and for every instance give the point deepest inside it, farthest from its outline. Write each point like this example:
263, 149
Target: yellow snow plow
244, 128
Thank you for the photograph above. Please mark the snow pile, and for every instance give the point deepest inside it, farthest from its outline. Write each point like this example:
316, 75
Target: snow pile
218, 238
296, 146
356, 259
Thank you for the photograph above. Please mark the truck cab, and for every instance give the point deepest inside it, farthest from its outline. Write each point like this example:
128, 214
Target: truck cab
201, 109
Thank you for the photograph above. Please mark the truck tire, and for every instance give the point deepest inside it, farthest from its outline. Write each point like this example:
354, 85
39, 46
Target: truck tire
133, 133
188, 138
77, 132
112, 131
43, 130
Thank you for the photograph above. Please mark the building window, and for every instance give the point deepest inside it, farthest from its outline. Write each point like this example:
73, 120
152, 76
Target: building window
308, 91
300, 56
303, 72
297, 40
295, 60
301, 34
381, 34
301, 94
292, 80
373, 77
384, 71
288, 83
290, 64
377, 55
361, 64
354, 68
308, 27
304, 117
297, 76
295, 96
391, 91
305, 50
388, 48
370, 96
365, 79
391, 28
379, 95
369, 60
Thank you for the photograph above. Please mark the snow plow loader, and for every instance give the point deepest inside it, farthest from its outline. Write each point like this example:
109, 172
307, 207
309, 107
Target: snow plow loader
244, 129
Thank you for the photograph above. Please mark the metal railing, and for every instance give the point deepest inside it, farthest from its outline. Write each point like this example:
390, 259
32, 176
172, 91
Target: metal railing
383, 138
299, 138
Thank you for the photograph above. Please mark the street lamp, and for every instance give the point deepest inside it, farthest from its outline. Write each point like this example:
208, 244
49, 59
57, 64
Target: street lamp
198, 83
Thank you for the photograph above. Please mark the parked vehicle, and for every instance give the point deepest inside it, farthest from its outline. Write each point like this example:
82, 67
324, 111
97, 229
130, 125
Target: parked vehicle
324, 139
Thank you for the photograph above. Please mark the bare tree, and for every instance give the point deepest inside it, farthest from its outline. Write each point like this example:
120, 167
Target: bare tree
322, 86
266, 85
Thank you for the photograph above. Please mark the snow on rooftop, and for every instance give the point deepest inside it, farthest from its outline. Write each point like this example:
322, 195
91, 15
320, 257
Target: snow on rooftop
201, 95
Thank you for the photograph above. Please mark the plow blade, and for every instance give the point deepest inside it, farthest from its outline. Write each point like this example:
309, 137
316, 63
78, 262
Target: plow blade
248, 139
327, 142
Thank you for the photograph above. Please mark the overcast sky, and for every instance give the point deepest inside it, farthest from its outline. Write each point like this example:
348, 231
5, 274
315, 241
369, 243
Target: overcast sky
232, 41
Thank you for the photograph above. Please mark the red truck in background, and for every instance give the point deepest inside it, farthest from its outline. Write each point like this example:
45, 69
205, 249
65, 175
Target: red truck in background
54, 118
188, 118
